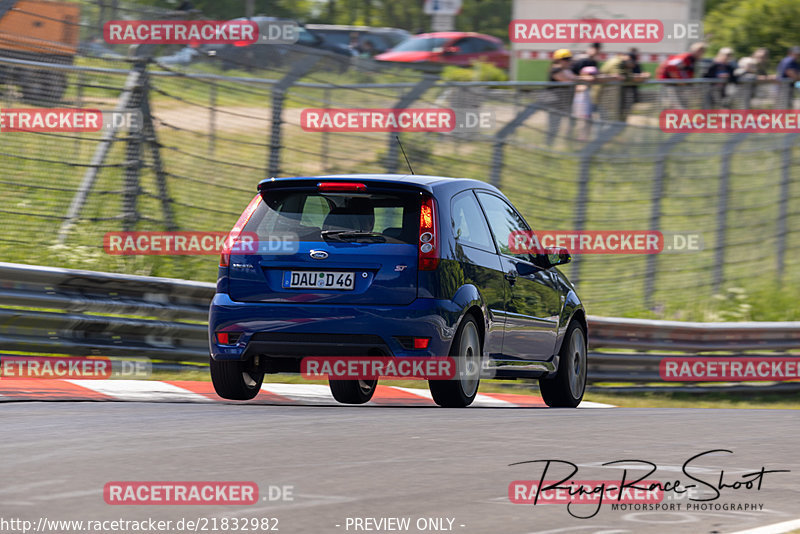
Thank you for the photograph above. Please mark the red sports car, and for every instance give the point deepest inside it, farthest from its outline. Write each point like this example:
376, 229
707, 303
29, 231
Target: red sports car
453, 48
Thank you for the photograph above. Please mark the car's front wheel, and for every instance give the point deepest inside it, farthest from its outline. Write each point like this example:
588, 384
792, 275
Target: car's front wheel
236, 380
353, 391
466, 351
567, 388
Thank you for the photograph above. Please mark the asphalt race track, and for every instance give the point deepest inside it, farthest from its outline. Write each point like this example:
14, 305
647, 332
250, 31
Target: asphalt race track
415, 461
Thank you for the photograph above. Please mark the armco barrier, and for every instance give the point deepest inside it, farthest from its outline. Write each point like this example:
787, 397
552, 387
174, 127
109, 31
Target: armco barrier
49, 310
92, 313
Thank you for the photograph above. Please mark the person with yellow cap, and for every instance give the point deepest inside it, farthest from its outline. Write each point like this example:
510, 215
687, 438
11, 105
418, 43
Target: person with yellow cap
559, 98
560, 67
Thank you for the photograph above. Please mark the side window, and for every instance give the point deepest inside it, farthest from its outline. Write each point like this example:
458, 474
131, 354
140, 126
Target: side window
469, 226
487, 46
503, 220
305, 37
473, 45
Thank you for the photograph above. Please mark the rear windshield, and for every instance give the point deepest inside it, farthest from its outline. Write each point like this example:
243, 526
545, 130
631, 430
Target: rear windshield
336, 217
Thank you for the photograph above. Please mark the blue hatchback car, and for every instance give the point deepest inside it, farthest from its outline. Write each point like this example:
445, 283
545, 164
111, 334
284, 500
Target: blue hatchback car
393, 266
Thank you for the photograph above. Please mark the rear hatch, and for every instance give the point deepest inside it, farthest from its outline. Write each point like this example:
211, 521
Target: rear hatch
331, 242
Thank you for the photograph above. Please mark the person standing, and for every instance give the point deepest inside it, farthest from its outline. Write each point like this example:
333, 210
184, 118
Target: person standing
582, 106
558, 99
789, 74
679, 67
614, 101
722, 68
636, 69
761, 57
587, 59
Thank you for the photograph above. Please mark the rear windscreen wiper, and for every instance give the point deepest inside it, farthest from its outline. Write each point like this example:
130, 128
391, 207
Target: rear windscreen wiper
347, 235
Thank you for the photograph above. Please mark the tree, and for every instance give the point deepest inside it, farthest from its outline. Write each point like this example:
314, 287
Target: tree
484, 16
745, 25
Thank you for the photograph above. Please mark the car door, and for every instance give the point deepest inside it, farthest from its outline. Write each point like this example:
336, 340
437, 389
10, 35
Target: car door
532, 301
475, 251
469, 50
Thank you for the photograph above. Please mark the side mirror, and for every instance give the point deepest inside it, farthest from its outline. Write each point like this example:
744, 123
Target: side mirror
450, 50
557, 256
525, 269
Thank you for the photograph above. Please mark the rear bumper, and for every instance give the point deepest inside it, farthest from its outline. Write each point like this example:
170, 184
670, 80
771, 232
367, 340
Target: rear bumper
292, 331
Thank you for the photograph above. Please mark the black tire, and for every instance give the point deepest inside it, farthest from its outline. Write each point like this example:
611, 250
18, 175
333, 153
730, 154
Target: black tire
566, 389
467, 351
352, 391
235, 380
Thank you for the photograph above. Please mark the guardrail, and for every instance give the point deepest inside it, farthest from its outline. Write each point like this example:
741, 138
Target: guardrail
48, 310
91, 313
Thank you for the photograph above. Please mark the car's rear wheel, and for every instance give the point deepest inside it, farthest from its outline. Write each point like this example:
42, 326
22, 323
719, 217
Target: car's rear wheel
236, 380
353, 391
567, 388
466, 350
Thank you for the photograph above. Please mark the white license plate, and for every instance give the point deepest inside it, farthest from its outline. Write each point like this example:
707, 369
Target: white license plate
318, 280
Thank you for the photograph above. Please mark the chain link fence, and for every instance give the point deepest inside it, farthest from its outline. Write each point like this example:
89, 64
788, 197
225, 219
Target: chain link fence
214, 125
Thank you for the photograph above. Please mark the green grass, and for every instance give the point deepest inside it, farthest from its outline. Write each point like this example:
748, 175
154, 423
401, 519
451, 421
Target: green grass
210, 186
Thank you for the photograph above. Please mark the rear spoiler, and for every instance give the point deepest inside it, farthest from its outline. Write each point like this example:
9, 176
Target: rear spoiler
310, 183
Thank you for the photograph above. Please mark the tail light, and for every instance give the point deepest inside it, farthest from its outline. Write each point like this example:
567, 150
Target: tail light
225, 256
428, 240
413, 343
228, 338
341, 187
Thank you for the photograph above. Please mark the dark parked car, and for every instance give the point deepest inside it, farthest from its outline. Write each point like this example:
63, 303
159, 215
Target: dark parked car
380, 39
419, 266
451, 48
332, 56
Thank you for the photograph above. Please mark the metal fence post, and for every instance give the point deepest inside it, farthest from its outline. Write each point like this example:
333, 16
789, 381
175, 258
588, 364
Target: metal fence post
133, 162
100, 154
783, 206
325, 134
212, 117
298, 70
406, 100
150, 137
655, 211
722, 209
584, 177
496, 168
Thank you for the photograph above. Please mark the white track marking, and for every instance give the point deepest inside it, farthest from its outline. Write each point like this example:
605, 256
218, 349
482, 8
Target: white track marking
424, 393
775, 528
589, 404
315, 393
319, 394
141, 390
